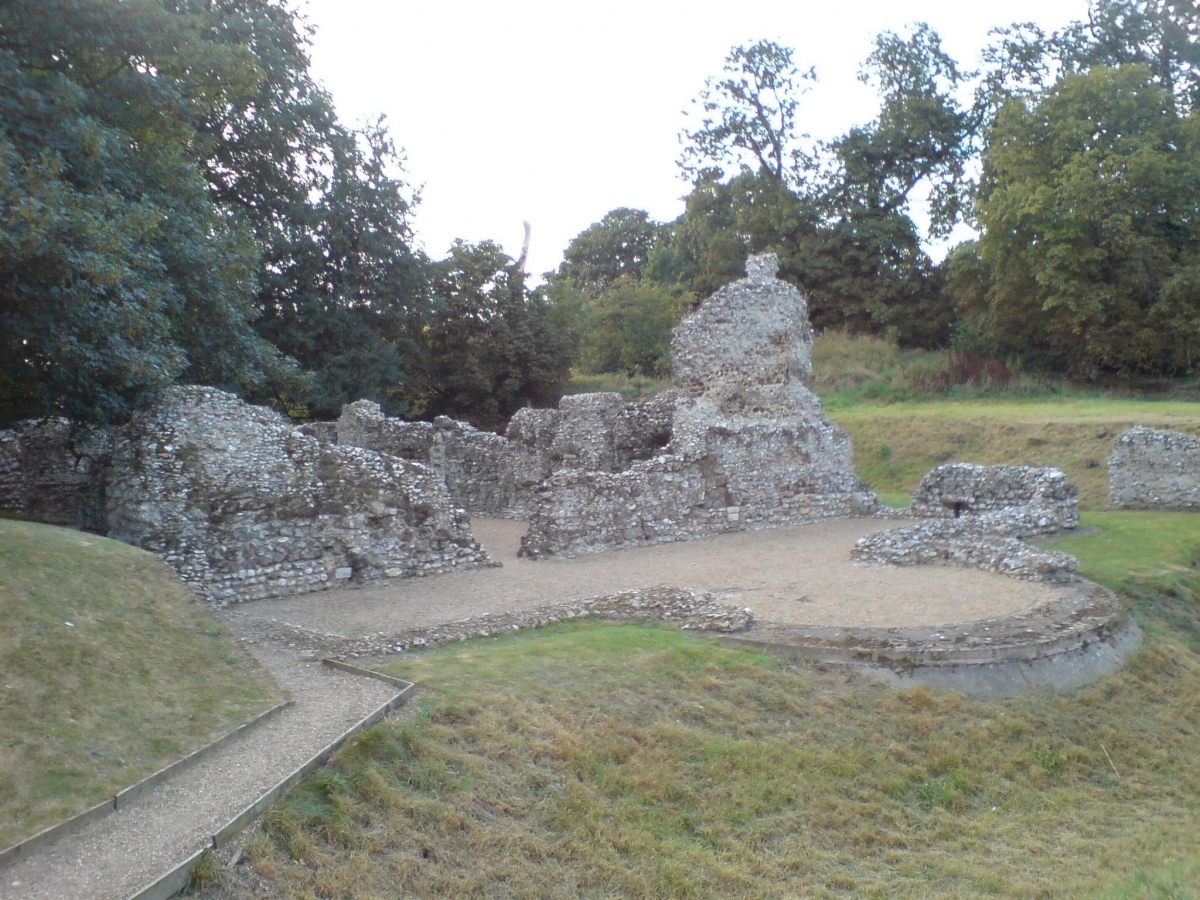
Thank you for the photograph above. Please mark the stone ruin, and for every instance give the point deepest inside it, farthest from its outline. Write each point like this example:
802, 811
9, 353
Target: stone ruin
1152, 469
50, 472
977, 516
242, 505
749, 446
499, 476
1019, 500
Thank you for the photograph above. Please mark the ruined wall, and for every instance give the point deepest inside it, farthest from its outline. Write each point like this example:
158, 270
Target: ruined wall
493, 475
1033, 500
1151, 469
245, 506
969, 544
53, 474
976, 516
749, 444
12, 473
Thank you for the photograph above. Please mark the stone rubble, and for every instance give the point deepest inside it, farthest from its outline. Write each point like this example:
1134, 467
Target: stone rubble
749, 445
691, 610
245, 506
967, 543
1153, 469
977, 516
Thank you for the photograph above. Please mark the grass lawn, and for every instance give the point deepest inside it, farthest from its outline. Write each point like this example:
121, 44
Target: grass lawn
109, 669
895, 444
595, 760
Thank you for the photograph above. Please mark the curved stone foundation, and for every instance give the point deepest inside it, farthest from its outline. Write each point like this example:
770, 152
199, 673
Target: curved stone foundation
1067, 643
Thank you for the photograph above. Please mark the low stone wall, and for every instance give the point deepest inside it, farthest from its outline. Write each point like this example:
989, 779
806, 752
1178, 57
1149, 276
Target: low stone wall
966, 543
55, 474
1034, 500
690, 610
245, 506
1152, 469
499, 476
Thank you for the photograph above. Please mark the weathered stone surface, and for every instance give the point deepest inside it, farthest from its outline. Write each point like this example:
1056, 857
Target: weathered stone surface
499, 476
244, 506
749, 444
751, 333
688, 609
1018, 500
54, 474
968, 543
1152, 469
977, 516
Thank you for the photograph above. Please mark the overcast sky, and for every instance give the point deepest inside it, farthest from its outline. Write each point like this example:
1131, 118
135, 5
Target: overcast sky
556, 112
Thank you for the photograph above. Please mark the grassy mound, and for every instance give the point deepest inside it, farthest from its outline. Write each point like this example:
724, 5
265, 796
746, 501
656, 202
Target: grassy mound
109, 669
895, 444
634, 761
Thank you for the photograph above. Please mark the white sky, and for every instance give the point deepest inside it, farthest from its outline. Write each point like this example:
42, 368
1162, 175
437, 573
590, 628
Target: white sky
556, 112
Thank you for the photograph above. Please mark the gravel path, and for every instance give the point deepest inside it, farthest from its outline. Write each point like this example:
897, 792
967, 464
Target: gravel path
794, 576
124, 851
800, 575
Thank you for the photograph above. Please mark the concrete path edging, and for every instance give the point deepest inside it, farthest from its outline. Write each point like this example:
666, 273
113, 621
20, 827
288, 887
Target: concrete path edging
124, 797
175, 879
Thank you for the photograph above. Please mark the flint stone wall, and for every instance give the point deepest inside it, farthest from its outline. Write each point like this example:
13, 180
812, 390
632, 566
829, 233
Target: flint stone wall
1152, 469
984, 542
750, 445
245, 506
53, 474
499, 476
1031, 500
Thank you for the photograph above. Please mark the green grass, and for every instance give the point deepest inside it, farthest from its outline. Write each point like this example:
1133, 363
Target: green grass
598, 760
896, 444
109, 669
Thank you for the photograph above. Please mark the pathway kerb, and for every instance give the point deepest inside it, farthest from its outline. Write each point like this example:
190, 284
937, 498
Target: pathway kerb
123, 798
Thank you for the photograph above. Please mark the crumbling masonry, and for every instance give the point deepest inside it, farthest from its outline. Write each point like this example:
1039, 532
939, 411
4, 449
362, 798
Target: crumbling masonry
749, 446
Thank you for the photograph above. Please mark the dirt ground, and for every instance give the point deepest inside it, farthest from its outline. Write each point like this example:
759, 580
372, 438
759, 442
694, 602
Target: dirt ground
797, 576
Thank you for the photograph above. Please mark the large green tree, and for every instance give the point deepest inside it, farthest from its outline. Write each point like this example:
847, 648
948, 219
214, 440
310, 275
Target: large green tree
339, 289
1090, 207
118, 276
493, 347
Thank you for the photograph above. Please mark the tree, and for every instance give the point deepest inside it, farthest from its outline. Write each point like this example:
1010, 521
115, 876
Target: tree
1089, 205
340, 289
117, 274
492, 347
748, 116
629, 328
922, 134
1163, 35
618, 245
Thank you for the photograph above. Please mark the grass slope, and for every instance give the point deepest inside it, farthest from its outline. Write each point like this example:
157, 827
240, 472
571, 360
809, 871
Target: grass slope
109, 669
634, 761
895, 444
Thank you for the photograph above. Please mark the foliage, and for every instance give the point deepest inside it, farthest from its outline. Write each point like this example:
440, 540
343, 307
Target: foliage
491, 346
111, 669
1090, 236
339, 289
629, 328
617, 246
117, 274
748, 116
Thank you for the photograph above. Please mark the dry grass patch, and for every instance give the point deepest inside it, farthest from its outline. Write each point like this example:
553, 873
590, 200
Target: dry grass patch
109, 669
634, 761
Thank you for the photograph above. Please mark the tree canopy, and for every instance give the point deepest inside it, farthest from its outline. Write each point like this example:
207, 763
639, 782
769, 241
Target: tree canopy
1091, 238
